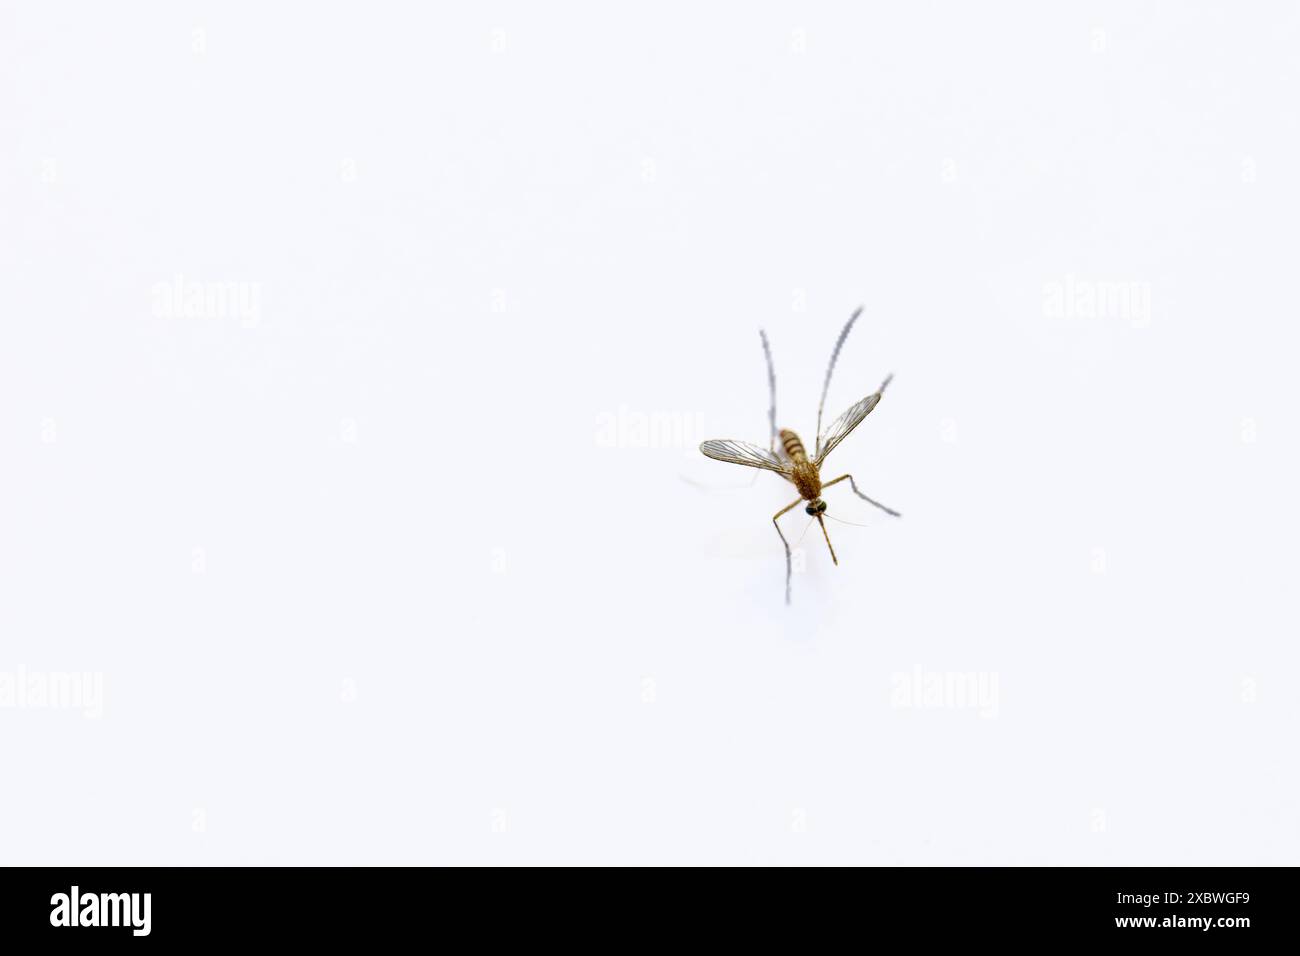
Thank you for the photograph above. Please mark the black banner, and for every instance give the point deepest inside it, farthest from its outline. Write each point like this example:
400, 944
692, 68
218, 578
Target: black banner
1173, 906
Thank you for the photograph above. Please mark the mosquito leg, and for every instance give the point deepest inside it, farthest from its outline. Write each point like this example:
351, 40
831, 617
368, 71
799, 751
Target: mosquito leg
771, 392
835, 354
788, 562
888, 511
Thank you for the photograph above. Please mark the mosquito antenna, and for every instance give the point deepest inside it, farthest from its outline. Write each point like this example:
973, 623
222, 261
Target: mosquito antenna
805, 531
835, 354
828, 539
842, 521
771, 392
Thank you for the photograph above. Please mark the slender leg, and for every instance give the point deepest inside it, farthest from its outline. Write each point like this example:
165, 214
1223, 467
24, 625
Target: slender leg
771, 392
888, 511
788, 563
835, 354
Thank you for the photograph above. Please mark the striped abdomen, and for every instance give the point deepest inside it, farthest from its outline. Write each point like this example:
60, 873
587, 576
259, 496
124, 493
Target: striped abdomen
804, 472
793, 446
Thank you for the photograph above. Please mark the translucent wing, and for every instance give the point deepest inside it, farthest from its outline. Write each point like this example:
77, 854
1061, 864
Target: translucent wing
840, 428
743, 453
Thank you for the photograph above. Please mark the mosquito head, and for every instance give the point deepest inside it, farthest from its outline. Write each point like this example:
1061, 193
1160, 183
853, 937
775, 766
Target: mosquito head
816, 507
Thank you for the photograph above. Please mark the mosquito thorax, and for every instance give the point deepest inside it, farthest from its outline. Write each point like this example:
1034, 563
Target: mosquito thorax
817, 507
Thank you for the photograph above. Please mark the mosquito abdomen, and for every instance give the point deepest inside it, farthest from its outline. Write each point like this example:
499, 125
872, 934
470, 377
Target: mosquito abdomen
794, 449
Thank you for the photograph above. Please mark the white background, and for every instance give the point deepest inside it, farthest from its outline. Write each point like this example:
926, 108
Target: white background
373, 579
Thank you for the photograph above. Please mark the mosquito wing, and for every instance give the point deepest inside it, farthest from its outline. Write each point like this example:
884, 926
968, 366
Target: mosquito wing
743, 453
840, 428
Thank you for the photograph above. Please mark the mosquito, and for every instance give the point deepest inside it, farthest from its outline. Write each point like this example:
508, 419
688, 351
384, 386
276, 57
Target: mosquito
793, 463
